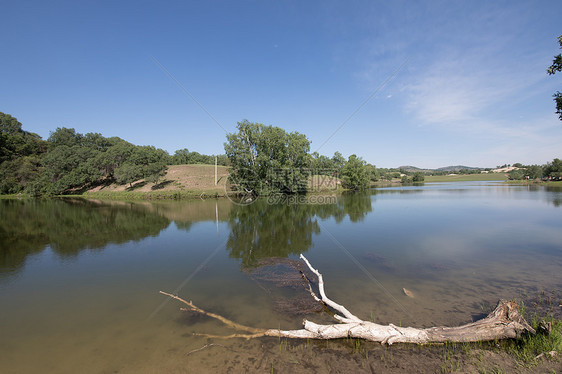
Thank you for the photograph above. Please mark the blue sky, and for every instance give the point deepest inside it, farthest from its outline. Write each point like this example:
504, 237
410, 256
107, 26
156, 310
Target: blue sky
442, 82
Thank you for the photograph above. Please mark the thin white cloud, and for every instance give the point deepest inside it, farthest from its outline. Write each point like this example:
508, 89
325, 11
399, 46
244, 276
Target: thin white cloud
458, 91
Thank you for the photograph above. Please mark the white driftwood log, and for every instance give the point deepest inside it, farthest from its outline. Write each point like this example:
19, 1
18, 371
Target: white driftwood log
503, 323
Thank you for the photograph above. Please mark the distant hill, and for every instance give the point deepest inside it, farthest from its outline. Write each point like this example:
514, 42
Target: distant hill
413, 169
457, 168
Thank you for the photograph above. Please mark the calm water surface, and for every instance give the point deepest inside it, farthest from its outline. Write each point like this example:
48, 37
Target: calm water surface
79, 279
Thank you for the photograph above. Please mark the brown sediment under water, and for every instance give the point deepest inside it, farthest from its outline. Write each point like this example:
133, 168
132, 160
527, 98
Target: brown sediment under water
79, 279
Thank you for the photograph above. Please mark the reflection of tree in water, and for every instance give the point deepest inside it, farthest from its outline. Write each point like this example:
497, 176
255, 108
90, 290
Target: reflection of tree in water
261, 230
184, 225
69, 226
263, 235
355, 206
555, 195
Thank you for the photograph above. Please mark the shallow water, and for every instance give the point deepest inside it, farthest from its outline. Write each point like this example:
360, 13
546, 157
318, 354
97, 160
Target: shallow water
79, 279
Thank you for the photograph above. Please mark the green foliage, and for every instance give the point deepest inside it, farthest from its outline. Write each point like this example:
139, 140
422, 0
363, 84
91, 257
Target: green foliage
555, 68
338, 161
76, 161
16, 174
106, 162
388, 174
516, 174
323, 165
355, 174
468, 171
128, 173
534, 171
20, 155
374, 174
69, 162
15, 142
266, 159
406, 179
526, 172
144, 162
184, 156
530, 346
418, 177
553, 169
63, 136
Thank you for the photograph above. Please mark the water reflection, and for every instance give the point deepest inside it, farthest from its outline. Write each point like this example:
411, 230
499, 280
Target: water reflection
555, 195
257, 231
261, 230
552, 194
69, 226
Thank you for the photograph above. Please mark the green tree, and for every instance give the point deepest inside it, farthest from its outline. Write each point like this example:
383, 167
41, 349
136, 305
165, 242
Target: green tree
128, 173
374, 174
321, 164
406, 179
534, 171
181, 157
69, 161
20, 155
267, 159
17, 174
355, 174
184, 156
516, 174
106, 162
338, 161
15, 142
418, 177
64, 136
555, 68
553, 169
66, 168
144, 162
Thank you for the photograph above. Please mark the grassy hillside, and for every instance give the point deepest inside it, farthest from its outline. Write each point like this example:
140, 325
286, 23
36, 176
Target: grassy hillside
179, 181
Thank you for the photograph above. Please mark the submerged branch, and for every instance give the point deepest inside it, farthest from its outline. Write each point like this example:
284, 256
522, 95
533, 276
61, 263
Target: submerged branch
229, 323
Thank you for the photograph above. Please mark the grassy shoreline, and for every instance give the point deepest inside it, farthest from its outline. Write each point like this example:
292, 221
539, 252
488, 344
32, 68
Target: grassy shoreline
187, 194
467, 177
152, 195
534, 183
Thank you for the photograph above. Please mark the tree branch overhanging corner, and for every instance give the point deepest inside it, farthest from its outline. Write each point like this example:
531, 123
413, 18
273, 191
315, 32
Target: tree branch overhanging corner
556, 67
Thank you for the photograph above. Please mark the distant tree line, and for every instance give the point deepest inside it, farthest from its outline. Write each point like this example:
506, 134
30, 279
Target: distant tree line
184, 156
355, 173
69, 162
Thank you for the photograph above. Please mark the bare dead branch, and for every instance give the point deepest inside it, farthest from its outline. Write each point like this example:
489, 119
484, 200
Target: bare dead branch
504, 322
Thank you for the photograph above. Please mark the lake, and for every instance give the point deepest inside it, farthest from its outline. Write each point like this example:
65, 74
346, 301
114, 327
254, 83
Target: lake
79, 279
